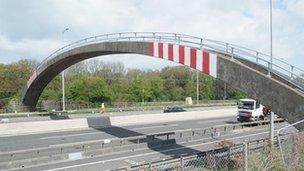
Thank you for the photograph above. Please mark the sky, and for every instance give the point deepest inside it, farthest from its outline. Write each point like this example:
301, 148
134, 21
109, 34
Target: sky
32, 29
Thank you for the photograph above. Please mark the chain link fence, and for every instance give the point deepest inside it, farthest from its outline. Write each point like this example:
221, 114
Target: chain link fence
222, 159
256, 155
292, 150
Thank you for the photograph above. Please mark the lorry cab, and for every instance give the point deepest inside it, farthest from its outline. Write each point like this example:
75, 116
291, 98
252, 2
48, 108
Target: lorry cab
249, 110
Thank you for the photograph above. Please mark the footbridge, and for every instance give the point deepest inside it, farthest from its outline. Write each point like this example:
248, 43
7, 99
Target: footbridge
276, 83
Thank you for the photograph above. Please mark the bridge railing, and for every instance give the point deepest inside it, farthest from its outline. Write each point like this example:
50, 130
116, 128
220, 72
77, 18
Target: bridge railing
286, 71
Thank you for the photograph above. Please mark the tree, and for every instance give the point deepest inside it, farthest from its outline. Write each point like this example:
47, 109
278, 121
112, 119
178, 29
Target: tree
13, 77
157, 89
176, 94
53, 91
141, 89
89, 89
205, 87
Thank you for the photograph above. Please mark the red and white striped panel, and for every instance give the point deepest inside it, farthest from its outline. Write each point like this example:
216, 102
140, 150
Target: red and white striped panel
192, 57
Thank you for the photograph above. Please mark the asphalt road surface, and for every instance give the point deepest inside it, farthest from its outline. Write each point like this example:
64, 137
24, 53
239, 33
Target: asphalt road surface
128, 158
122, 159
13, 143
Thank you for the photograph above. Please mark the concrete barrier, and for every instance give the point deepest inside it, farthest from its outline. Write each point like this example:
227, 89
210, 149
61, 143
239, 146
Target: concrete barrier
171, 117
10, 129
41, 126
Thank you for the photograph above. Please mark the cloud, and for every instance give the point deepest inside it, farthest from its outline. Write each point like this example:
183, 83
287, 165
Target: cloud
25, 48
39, 23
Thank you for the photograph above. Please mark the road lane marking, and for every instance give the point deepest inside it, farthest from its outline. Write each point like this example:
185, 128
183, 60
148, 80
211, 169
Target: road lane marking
72, 135
92, 133
208, 121
156, 126
154, 152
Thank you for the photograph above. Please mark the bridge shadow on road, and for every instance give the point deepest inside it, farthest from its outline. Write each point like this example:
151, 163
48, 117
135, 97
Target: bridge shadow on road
161, 143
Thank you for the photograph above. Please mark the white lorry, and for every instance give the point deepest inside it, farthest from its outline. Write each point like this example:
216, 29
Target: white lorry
251, 110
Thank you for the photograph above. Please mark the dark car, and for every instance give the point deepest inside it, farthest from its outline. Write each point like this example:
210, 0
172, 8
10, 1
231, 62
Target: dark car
173, 109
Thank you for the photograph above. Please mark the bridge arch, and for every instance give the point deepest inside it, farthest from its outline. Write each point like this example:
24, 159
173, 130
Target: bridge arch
272, 84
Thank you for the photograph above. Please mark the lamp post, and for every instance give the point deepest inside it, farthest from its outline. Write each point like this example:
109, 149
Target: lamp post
270, 5
197, 88
62, 75
271, 131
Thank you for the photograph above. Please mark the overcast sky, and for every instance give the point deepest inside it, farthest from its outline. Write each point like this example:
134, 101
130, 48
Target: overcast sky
32, 28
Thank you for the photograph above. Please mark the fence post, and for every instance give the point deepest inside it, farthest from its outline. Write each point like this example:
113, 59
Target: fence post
150, 166
245, 156
291, 74
182, 162
268, 69
232, 51
257, 57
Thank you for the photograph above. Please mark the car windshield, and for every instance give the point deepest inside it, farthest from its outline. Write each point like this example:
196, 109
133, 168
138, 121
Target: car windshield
246, 105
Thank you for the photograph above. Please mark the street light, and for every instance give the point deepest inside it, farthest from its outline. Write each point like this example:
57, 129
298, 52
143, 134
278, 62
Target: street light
197, 88
271, 131
270, 6
62, 75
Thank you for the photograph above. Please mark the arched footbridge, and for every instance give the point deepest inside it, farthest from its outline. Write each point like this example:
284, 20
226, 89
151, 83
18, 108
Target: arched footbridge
275, 83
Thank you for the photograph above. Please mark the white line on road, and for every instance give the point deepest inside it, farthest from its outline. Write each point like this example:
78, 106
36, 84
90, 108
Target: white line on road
199, 122
92, 133
154, 152
156, 126
72, 135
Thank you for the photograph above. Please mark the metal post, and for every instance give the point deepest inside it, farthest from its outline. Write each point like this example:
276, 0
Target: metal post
232, 56
182, 162
268, 68
143, 98
14, 106
271, 132
150, 166
291, 74
270, 6
197, 88
245, 156
63, 91
62, 76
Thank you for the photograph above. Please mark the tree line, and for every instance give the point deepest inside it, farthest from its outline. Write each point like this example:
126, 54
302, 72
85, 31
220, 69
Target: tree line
94, 81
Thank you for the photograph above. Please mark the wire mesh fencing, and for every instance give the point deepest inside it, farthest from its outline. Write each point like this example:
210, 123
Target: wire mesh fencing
255, 155
223, 159
292, 150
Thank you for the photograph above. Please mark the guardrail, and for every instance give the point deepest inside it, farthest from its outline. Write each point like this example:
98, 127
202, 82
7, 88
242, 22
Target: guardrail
286, 71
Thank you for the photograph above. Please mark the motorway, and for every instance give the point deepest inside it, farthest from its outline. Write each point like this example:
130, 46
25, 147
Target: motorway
127, 158
122, 159
47, 139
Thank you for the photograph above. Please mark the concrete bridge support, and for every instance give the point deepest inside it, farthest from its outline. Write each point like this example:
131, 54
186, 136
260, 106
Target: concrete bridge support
282, 99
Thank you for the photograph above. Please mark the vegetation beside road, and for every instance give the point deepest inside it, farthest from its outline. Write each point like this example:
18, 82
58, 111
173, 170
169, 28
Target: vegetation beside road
94, 82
